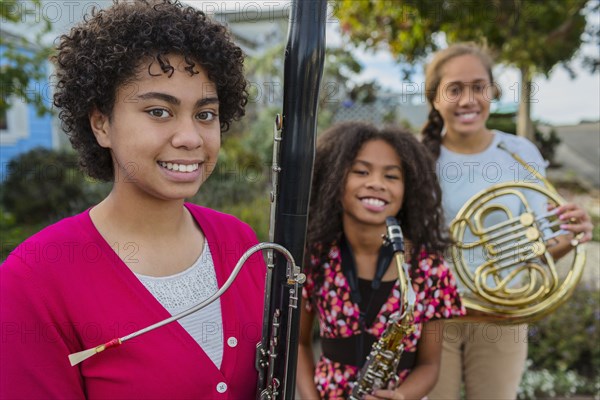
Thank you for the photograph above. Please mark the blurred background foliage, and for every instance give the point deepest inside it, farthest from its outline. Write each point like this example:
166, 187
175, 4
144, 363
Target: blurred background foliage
564, 350
23, 55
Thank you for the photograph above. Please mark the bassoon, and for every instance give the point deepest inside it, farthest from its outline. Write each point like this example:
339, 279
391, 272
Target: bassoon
294, 153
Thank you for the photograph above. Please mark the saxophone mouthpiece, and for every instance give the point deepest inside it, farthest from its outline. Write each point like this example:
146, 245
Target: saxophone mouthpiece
394, 234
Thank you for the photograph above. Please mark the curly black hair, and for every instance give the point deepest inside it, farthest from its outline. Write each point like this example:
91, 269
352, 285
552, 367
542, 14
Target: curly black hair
420, 217
110, 47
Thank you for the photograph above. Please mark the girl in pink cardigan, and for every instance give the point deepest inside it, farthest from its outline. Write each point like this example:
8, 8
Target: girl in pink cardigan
145, 90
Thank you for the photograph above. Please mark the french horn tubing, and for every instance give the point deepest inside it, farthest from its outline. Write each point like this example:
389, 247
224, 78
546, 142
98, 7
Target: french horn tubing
506, 266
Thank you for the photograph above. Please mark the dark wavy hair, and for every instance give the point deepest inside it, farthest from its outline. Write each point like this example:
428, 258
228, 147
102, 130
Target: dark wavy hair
111, 46
432, 131
420, 217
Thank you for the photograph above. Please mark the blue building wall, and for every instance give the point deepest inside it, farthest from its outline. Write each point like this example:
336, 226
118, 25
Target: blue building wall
36, 131
39, 135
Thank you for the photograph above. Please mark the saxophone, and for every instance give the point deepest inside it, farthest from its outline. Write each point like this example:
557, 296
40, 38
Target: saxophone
381, 366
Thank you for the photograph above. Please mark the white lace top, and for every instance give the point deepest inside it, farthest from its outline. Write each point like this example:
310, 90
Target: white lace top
186, 289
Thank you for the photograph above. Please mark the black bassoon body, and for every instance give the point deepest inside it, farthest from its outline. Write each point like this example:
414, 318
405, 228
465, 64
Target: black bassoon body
304, 57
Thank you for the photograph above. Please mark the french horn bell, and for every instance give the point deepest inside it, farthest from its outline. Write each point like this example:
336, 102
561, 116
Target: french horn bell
506, 264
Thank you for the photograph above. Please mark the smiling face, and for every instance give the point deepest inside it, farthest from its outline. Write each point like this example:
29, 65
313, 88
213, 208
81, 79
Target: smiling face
374, 187
463, 96
164, 133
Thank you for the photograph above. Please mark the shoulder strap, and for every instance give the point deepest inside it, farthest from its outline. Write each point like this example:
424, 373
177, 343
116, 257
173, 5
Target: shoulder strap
383, 262
349, 268
528, 167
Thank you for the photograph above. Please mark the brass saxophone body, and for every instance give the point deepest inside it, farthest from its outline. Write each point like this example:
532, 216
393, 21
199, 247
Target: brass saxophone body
380, 368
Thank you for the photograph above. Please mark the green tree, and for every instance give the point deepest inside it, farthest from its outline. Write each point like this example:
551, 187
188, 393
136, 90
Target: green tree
531, 35
22, 56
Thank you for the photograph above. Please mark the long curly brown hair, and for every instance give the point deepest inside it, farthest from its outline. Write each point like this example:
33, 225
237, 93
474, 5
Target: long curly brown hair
111, 46
420, 217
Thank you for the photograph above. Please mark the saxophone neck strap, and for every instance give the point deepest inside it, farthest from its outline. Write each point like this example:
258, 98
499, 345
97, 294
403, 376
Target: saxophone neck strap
364, 305
350, 272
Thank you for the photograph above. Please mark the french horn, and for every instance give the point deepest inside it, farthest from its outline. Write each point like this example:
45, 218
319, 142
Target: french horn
506, 265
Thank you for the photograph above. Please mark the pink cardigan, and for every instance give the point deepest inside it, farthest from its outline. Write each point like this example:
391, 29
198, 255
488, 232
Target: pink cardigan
65, 290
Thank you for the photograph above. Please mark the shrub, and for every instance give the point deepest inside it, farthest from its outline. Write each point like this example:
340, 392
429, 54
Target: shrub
547, 144
569, 338
564, 349
543, 383
502, 122
44, 185
12, 233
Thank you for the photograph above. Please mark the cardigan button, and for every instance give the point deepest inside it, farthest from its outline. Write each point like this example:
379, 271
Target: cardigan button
221, 387
232, 342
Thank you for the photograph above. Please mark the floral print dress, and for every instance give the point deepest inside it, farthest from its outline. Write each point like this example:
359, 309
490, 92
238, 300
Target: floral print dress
328, 294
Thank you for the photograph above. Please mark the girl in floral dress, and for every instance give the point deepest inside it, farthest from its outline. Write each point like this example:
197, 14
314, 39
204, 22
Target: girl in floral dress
361, 176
